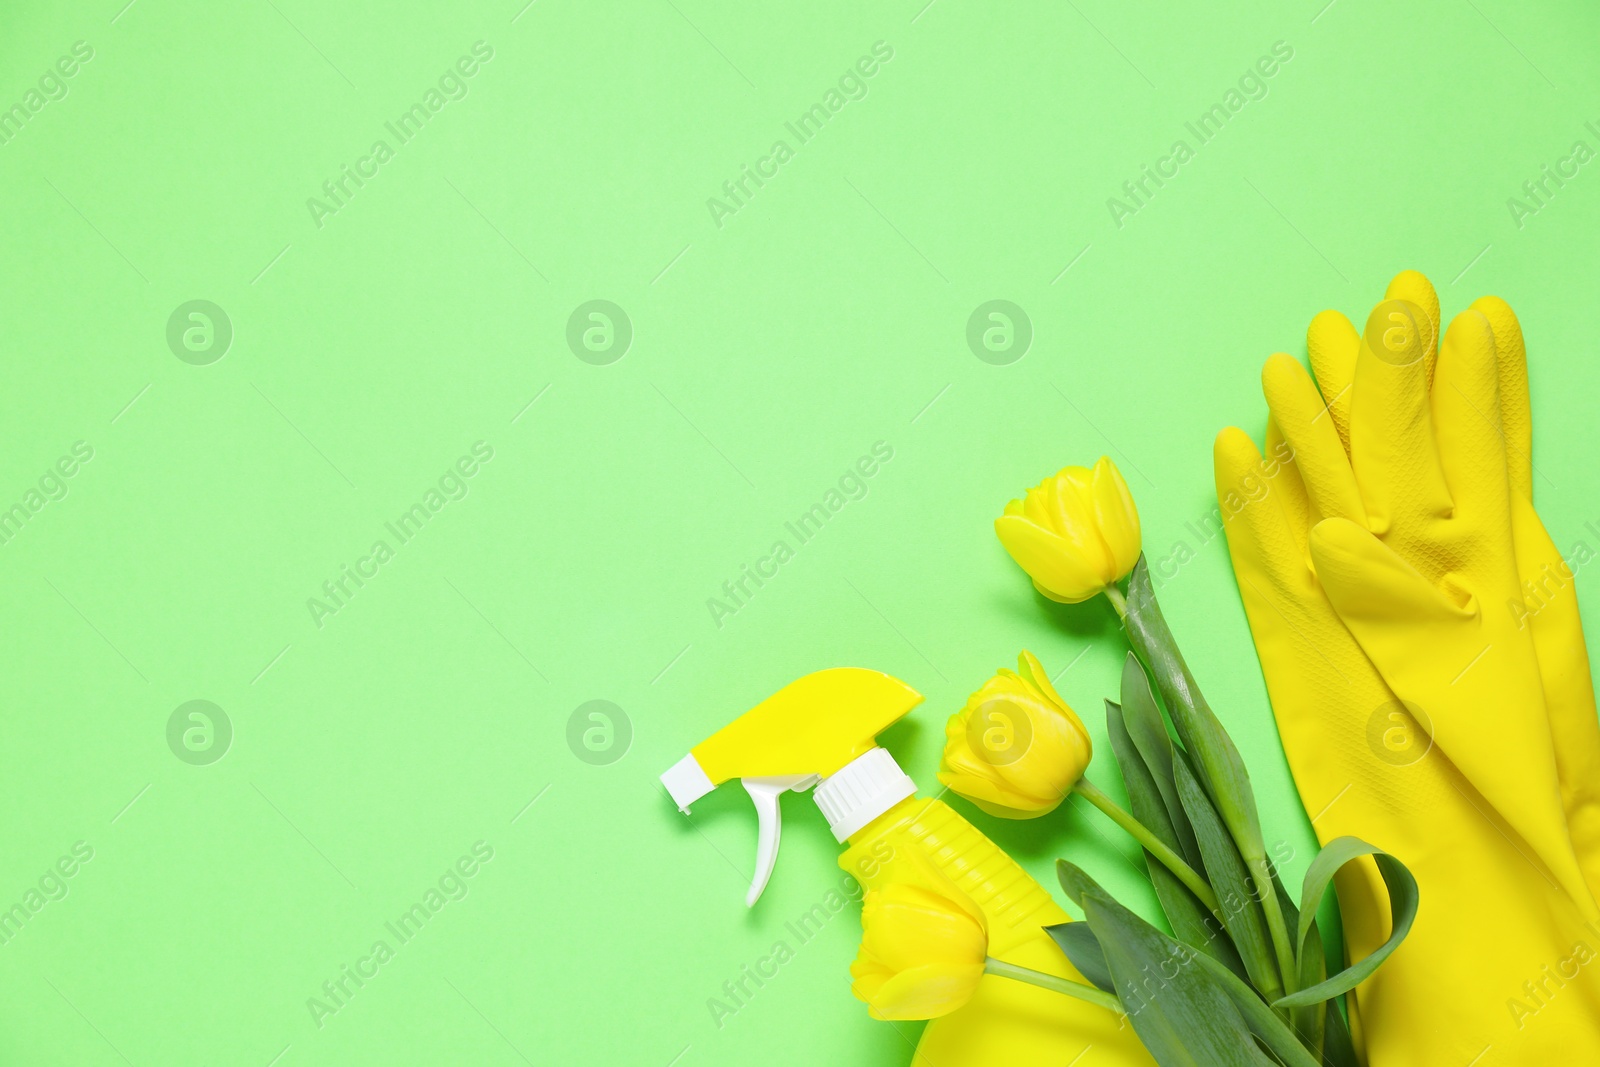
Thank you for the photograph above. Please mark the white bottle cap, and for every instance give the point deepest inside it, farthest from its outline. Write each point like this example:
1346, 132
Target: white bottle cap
862, 790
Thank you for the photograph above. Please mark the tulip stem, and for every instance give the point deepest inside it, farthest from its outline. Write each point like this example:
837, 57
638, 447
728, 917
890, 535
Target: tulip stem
1154, 845
1079, 990
1118, 601
1261, 875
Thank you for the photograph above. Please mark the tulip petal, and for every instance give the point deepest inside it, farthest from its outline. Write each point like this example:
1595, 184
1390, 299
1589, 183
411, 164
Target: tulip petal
908, 926
867, 974
992, 797
934, 933
1004, 731
926, 992
1116, 517
1003, 683
970, 906
1056, 758
1036, 507
970, 777
1072, 499
1074, 732
1046, 748
1052, 563
961, 761
1016, 814
1029, 667
1048, 595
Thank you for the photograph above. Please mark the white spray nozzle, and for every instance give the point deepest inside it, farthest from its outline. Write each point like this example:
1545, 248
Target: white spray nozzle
687, 782
822, 727
769, 824
863, 789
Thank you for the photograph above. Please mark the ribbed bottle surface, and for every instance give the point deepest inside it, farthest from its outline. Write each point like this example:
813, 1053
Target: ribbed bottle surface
978, 866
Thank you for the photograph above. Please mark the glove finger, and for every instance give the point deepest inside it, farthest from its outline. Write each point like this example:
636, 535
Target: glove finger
1550, 610
1413, 286
1516, 417
1261, 537
1333, 343
1319, 455
1279, 467
1392, 449
1290, 620
1550, 603
1466, 422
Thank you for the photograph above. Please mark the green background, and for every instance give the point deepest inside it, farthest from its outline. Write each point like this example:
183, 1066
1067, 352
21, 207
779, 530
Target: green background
370, 753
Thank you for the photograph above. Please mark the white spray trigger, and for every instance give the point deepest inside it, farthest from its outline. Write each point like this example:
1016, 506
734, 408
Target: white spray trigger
769, 823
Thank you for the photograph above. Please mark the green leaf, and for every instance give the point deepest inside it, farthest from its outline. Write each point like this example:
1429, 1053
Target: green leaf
1191, 922
1306, 1023
1083, 951
1073, 881
1265, 1023
1403, 900
1218, 765
1148, 729
1220, 768
1338, 1047
1182, 1014
1309, 1021
1226, 871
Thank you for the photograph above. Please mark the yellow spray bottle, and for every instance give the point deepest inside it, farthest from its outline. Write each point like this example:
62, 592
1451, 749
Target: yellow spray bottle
822, 731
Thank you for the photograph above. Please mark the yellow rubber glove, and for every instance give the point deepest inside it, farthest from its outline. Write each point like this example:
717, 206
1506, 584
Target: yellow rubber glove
1499, 909
1548, 606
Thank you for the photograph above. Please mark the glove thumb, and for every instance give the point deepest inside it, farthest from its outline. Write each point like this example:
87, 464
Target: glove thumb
1423, 644
1373, 590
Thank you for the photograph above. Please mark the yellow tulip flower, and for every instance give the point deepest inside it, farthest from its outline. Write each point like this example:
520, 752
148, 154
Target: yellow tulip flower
1075, 533
922, 952
1016, 749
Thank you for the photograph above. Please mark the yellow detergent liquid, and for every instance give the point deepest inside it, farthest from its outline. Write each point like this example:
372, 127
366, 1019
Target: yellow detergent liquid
822, 731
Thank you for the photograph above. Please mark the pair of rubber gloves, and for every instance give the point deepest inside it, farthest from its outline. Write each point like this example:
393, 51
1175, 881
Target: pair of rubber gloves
1422, 648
